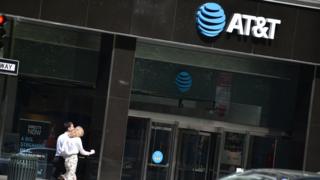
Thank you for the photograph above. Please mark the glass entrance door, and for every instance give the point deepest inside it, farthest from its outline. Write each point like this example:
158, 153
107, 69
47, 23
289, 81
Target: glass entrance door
233, 154
261, 152
196, 154
160, 151
159, 160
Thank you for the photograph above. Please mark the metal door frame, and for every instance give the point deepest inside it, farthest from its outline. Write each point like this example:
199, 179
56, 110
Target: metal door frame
173, 129
205, 125
178, 138
146, 150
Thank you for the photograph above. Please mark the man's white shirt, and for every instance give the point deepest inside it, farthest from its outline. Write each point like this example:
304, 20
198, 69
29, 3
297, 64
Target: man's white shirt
61, 139
73, 146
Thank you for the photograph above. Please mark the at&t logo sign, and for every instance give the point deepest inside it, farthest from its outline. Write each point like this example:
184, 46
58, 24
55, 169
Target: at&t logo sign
183, 81
211, 21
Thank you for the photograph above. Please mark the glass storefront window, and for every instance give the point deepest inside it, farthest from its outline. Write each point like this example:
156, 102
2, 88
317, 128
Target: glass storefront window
227, 108
57, 83
56, 52
134, 154
216, 86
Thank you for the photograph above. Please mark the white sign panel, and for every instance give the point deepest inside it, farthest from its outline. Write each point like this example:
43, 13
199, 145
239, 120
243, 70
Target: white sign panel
9, 66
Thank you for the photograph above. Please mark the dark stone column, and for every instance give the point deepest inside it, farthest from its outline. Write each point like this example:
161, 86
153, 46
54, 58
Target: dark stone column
115, 125
312, 158
2, 114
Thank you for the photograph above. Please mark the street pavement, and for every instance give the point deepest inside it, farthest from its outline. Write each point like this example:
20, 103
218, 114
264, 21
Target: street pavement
5, 178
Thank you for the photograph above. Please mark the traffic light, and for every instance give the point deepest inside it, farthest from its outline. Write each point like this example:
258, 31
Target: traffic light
2, 19
3, 29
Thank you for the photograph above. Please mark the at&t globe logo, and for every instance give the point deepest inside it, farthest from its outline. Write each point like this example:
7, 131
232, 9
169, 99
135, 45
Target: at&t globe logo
210, 19
183, 81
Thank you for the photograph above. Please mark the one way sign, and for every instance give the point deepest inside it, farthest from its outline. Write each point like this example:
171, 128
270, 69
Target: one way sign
9, 66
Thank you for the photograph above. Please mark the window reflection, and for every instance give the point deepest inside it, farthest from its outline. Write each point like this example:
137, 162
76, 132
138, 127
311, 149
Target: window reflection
213, 94
57, 83
41, 111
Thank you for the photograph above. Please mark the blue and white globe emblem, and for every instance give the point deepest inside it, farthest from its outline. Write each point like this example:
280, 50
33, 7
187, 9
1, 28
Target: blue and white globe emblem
210, 19
157, 157
183, 81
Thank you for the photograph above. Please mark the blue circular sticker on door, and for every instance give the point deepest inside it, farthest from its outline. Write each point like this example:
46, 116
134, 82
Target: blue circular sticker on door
157, 157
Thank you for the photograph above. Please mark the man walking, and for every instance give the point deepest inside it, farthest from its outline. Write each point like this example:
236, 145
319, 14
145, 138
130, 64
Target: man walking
59, 160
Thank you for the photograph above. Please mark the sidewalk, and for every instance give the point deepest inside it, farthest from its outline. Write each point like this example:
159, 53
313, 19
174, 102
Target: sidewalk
2, 177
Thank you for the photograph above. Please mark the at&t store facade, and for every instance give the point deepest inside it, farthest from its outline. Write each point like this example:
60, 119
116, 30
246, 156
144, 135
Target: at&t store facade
170, 90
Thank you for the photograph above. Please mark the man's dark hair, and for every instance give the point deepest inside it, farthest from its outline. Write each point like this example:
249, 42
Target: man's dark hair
67, 124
